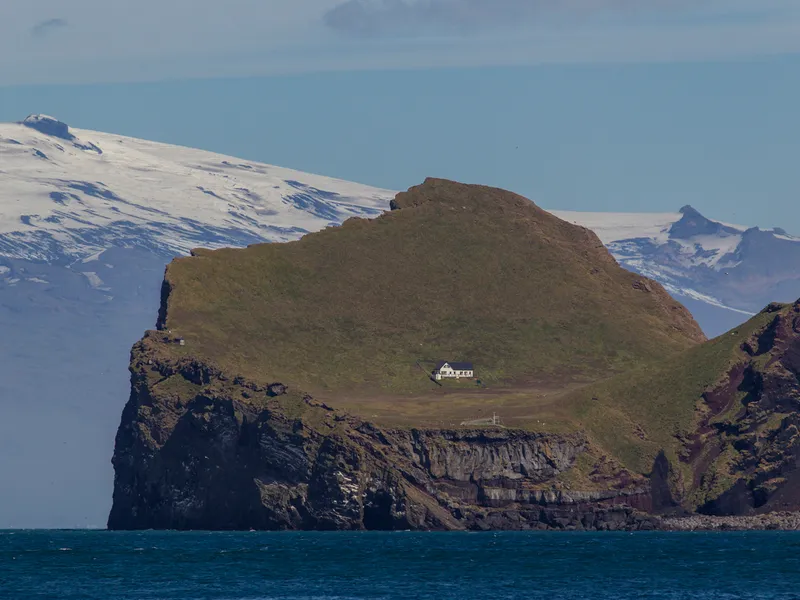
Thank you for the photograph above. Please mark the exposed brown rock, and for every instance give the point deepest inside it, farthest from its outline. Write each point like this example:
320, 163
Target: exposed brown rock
745, 451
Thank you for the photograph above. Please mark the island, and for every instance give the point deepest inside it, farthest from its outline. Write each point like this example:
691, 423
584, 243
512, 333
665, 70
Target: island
294, 386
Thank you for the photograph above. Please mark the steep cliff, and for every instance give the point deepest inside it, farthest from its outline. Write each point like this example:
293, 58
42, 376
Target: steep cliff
744, 453
197, 450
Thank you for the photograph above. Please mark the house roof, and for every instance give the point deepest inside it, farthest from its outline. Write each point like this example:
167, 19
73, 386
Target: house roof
456, 366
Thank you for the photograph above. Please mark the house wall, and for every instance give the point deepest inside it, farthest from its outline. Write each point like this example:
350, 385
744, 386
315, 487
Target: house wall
448, 373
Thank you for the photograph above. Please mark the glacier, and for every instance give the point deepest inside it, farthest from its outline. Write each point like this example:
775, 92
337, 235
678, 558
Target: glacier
74, 194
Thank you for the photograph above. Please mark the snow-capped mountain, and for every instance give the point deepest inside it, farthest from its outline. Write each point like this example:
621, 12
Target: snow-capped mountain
722, 272
88, 221
73, 193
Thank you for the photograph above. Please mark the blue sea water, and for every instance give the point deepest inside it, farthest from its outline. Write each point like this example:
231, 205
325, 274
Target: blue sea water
441, 566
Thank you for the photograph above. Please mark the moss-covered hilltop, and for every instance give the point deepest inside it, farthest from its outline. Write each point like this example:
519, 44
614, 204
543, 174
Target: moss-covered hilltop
455, 272
286, 387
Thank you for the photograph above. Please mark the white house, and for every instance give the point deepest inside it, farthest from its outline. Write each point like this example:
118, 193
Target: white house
453, 370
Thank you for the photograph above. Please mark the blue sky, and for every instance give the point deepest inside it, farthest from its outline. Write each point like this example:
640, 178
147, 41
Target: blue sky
48, 41
584, 104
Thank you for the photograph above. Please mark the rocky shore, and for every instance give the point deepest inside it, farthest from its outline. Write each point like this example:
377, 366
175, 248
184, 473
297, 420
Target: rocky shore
783, 521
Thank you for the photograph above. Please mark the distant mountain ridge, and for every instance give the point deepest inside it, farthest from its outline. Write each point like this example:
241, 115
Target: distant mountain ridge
74, 192
701, 261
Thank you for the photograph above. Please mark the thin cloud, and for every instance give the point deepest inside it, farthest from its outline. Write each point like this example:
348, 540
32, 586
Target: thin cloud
412, 17
47, 26
244, 38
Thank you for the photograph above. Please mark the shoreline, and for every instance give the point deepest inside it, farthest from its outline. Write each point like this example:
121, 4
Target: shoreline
779, 521
783, 521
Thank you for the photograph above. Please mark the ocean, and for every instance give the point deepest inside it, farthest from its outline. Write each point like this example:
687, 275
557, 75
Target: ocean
441, 566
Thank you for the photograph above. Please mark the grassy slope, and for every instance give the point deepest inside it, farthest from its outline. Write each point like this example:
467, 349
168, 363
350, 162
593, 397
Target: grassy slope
459, 273
635, 415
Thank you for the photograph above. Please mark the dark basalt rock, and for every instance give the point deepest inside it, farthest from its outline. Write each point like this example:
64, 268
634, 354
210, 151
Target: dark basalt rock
660, 491
277, 389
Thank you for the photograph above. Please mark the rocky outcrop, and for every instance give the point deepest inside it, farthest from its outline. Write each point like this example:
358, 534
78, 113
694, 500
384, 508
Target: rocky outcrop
196, 450
49, 126
744, 455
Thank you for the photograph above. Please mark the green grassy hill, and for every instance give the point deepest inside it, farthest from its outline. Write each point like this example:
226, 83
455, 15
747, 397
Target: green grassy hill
454, 272
724, 413
637, 414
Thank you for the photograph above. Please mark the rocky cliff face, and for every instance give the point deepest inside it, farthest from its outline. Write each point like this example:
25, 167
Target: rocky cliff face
744, 456
197, 450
